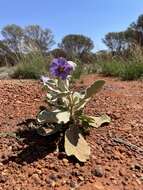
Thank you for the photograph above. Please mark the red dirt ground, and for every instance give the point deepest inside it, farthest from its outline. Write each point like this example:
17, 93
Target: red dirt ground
112, 165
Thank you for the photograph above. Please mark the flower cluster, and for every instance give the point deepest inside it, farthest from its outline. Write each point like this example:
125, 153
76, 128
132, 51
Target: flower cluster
60, 68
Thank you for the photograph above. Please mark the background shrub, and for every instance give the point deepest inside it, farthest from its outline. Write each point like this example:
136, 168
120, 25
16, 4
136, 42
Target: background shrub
79, 69
31, 66
126, 68
132, 71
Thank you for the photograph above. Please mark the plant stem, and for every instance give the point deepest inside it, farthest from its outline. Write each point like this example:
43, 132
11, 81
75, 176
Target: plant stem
70, 97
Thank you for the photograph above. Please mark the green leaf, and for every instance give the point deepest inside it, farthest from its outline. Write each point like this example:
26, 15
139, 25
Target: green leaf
51, 81
65, 101
62, 85
76, 145
67, 83
94, 88
98, 121
86, 118
52, 88
45, 116
62, 116
77, 97
56, 116
49, 96
81, 104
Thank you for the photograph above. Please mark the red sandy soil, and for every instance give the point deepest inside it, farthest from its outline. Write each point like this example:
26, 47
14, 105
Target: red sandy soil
32, 164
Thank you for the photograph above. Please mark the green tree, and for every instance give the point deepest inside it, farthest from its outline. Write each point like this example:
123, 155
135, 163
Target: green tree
122, 41
58, 53
87, 57
115, 41
7, 57
38, 39
75, 45
139, 30
13, 36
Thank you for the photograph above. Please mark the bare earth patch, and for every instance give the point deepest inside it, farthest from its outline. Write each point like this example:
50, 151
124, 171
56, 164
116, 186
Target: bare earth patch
116, 161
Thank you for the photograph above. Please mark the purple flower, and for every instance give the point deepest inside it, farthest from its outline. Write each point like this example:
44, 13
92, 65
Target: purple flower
60, 68
44, 79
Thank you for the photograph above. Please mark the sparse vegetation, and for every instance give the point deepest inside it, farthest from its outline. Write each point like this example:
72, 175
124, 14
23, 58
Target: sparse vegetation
31, 66
126, 68
20, 48
71, 113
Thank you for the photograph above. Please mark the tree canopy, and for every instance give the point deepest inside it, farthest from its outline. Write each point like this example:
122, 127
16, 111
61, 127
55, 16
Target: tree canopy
75, 44
120, 41
30, 38
13, 35
38, 38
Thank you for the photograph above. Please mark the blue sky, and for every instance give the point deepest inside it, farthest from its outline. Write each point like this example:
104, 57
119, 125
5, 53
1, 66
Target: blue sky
93, 18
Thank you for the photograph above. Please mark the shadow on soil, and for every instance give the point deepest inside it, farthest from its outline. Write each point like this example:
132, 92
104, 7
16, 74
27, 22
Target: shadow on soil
34, 146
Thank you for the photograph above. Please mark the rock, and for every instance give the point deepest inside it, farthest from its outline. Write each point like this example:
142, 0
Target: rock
81, 178
134, 123
53, 177
122, 172
51, 166
116, 155
63, 182
108, 168
138, 181
77, 165
98, 171
117, 115
136, 167
54, 184
30, 171
36, 178
39, 172
141, 178
91, 180
3, 178
98, 161
65, 162
75, 173
72, 184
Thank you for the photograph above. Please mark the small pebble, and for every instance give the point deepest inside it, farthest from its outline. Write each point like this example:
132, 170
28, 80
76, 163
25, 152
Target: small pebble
3, 178
98, 171
53, 177
122, 172
72, 184
65, 162
81, 178
36, 178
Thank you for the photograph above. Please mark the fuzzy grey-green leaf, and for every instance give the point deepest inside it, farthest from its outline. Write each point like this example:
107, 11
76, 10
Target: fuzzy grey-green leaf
76, 145
45, 116
62, 116
98, 121
94, 88
56, 116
